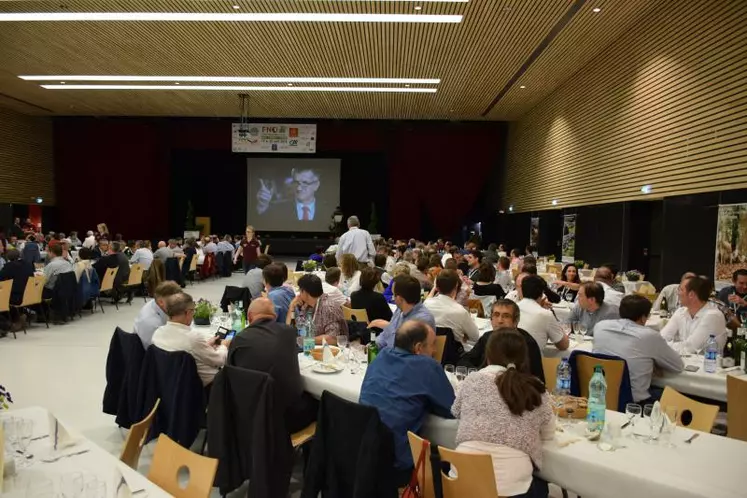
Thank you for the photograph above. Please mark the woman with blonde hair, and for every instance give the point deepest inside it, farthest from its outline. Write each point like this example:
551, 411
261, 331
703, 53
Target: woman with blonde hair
351, 275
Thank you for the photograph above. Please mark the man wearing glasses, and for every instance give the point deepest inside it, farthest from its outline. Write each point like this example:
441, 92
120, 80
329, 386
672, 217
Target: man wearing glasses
303, 183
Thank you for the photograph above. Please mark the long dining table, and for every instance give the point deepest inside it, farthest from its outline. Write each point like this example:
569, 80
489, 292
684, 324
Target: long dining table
709, 466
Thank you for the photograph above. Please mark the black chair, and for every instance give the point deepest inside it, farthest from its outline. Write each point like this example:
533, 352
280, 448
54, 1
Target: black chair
453, 350
227, 258
299, 265
232, 294
123, 366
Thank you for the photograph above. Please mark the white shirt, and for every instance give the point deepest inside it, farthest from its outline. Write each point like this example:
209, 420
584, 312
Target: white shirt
350, 285
144, 256
178, 337
210, 247
513, 296
612, 296
148, 320
335, 295
445, 258
357, 242
539, 322
504, 279
90, 242
690, 334
671, 293
301, 205
451, 314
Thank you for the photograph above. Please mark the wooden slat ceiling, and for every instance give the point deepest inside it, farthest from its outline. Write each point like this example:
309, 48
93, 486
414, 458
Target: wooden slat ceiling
474, 59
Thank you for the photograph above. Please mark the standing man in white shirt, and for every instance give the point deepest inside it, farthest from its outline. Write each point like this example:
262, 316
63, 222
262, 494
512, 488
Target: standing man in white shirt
357, 242
448, 312
538, 321
691, 324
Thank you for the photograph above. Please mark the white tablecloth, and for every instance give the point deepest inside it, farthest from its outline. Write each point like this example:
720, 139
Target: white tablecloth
709, 467
96, 461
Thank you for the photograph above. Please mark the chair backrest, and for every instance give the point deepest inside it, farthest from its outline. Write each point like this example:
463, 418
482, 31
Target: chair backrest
476, 304
267, 249
169, 458
355, 315
613, 374
108, 283
181, 257
438, 353
452, 350
296, 275
5, 288
416, 445
648, 295
550, 366
585, 273
33, 292
476, 477
690, 413
736, 407
193, 263
136, 274
136, 439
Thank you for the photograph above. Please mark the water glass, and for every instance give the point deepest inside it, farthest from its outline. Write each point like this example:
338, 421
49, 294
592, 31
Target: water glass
632, 413
96, 489
473, 312
9, 428
449, 369
353, 363
71, 485
461, 373
580, 331
24, 430
471, 371
342, 341
669, 425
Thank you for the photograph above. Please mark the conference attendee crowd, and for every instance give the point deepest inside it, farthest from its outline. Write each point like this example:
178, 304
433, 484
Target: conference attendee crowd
413, 293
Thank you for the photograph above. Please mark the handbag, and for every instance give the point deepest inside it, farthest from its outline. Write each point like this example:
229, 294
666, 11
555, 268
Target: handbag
413, 489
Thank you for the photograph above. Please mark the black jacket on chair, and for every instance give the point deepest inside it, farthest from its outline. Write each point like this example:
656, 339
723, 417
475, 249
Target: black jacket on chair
173, 272
123, 366
227, 268
453, 350
247, 435
352, 455
172, 376
65, 299
232, 295
19, 271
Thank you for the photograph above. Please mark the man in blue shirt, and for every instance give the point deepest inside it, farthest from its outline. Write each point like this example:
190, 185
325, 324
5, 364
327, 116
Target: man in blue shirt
280, 296
405, 384
406, 290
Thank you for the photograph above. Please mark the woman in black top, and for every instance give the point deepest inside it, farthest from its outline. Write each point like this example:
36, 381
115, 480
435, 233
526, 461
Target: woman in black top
569, 283
485, 285
367, 298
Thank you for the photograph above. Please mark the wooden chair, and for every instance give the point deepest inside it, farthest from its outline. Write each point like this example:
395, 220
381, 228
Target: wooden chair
699, 416
613, 374
296, 275
107, 285
355, 315
476, 304
136, 439
438, 353
736, 407
193, 269
550, 366
32, 296
136, 279
648, 295
5, 289
303, 436
416, 444
475, 475
169, 458
181, 261
267, 249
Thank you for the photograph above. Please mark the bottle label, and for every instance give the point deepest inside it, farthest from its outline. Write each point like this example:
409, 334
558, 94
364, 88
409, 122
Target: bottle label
727, 362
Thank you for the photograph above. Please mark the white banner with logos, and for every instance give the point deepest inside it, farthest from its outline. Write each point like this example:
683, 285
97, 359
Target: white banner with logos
274, 138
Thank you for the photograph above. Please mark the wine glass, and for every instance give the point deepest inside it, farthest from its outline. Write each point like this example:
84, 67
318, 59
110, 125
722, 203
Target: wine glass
71, 485
342, 341
96, 489
353, 363
461, 373
632, 412
24, 429
668, 426
471, 371
450, 369
9, 428
580, 331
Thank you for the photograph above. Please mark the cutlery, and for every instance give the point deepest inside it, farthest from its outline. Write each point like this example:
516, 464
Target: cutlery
625, 424
54, 459
691, 438
39, 437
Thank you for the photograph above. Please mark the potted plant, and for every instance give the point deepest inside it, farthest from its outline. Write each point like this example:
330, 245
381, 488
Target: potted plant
5, 398
579, 263
203, 312
633, 275
309, 265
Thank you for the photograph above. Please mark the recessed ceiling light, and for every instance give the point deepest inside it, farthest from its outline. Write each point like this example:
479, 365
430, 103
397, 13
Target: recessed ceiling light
290, 84
646, 189
522, 86
177, 83
407, 86
233, 79
236, 7
596, 9
418, 7
219, 17
354, 89
511, 208
62, 82
554, 202
39, 200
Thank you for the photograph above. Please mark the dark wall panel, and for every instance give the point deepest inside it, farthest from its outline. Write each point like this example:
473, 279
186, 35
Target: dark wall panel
599, 234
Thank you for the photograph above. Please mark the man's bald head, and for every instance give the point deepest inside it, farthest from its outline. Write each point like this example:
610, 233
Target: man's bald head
161, 244
416, 337
261, 308
603, 274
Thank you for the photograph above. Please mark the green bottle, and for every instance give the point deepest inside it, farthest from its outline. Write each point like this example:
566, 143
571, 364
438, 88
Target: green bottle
740, 348
373, 348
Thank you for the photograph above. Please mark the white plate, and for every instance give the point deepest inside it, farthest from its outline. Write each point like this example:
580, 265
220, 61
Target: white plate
327, 368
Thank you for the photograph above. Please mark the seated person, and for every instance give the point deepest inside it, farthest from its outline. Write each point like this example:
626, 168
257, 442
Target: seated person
531, 269
405, 383
591, 307
329, 261
614, 270
31, 252
400, 268
326, 316
163, 252
605, 277
515, 295
569, 282
671, 294
19, 271
503, 276
421, 273
504, 411
641, 347
538, 321
504, 316
484, 285
102, 249
318, 256
253, 280
351, 275
380, 264
178, 335
473, 259
406, 290
143, 255
57, 265
268, 346
330, 286
368, 299
449, 313
466, 288
736, 295
279, 295
153, 313
692, 324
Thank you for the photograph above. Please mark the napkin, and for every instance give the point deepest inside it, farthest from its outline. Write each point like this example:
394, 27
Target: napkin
122, 489
564, 439
59, 436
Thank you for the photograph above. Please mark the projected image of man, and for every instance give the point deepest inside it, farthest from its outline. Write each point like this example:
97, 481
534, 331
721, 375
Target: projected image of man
303, 185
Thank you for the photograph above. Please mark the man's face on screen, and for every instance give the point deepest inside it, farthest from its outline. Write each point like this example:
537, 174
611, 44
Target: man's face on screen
306, 183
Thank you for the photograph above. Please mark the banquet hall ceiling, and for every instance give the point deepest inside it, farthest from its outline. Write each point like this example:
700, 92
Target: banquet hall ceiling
495, 64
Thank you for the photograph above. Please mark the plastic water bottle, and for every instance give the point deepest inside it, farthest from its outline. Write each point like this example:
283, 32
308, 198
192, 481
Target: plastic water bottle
711, 354
308, 340
563, 378
597, 401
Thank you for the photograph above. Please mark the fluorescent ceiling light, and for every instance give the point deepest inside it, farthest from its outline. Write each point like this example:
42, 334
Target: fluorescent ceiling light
230, 17
360, 89
233, 79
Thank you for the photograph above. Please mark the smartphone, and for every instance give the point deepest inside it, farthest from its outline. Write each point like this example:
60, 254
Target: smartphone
227, 334
692, 368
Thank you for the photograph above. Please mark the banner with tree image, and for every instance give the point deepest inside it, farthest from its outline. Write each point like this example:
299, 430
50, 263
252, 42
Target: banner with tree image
569, 238
731, 240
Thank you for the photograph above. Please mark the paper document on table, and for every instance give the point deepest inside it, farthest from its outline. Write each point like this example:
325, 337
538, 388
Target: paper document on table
61, 438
